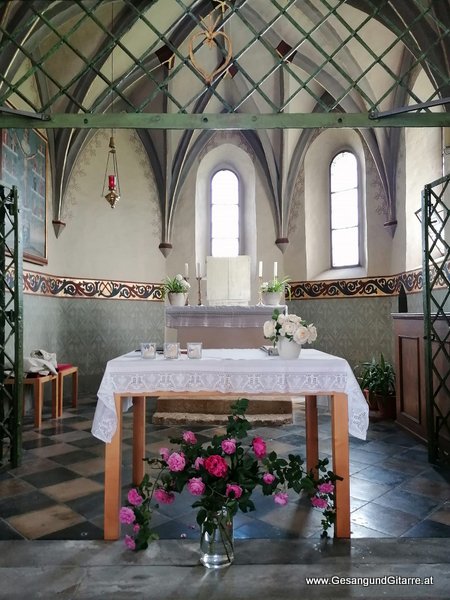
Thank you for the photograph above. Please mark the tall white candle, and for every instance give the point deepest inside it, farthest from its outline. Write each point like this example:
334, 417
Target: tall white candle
260, 269
186, 270
275, 270
198, 270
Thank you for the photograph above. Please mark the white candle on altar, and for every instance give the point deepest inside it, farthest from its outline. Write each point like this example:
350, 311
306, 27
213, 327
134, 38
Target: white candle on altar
186, 270
260, 269
275, 270
198, 270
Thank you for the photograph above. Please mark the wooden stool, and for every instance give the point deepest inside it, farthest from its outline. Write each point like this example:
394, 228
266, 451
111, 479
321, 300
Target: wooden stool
64, 370
38, 394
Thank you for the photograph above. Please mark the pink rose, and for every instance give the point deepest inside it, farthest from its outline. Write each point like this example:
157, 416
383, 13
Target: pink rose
164, 497
325, 488
319, 502
235, 489
229, 446
176, 461
196, 486
136, 528
268, 478
216, 465
199, 461
164, 453
134, 497
189, 437
259, 447
129, 542
281, 498
126, 515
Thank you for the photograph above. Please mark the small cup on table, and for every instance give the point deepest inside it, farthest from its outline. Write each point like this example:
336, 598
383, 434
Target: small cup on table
194, 349
171, 350
148, 350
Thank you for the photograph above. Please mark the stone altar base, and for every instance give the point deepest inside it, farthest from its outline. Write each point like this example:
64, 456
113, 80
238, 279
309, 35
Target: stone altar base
214, 410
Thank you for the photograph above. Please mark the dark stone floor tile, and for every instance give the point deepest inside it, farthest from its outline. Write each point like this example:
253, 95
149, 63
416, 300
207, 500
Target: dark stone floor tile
80, 531
292, 438
90, 506
38, 443
415, 454
375, 516
256, 529
52, 477
56, 429
69, 458
363, 456
8, 533
367, 490
428, 529
174, 529
87, 442
415, 504
23, 503
380, 475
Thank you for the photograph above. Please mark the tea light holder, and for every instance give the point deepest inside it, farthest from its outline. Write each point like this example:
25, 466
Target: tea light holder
171, 350
148, 350
194, 349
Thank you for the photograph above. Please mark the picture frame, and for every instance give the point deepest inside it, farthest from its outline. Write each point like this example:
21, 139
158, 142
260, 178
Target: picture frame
23, 163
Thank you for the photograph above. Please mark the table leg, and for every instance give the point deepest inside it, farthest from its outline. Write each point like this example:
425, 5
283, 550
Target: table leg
339, 429
312, 435
138, 439
113, 478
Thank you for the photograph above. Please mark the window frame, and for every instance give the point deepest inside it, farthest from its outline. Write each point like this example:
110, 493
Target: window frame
359, 209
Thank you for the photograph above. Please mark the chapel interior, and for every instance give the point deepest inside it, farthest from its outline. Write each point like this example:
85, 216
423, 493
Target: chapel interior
231, 143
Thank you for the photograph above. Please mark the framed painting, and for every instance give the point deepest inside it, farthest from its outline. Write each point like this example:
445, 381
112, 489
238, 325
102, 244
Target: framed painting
23, 163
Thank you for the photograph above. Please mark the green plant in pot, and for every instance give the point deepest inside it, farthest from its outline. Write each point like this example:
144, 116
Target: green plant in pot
378, 378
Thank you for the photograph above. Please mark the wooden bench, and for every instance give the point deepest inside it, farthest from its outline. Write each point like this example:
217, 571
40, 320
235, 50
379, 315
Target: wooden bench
37, 382
63, 371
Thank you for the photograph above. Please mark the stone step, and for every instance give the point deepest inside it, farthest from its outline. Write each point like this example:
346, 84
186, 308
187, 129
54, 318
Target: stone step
218, 405
189, 418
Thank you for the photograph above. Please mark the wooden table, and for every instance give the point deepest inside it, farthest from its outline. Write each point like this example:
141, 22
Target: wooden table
232, 373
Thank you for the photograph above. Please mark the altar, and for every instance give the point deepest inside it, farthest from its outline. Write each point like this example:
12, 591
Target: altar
220, 326
129, 380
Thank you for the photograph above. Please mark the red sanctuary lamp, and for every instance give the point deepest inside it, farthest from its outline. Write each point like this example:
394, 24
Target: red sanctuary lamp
112, 194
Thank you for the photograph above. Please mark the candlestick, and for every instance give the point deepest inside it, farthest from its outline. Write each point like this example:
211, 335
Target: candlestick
199, 279
260, 271
186, 271
187, 294
275, 270
260, 302
197, 270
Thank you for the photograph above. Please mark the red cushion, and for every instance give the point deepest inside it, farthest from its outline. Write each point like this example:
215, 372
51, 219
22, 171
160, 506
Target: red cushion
62, 366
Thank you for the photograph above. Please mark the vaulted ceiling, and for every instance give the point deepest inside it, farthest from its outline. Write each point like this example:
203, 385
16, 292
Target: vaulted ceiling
305, 58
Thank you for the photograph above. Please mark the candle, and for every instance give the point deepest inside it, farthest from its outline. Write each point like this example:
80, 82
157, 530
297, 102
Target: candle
260, 269
198, 270
186, 270
275, 270
112, 182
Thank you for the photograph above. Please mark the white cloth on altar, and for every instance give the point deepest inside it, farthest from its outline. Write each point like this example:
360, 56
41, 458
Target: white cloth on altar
229, 370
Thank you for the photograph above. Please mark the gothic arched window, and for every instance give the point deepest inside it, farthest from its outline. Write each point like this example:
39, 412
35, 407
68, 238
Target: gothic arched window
225, 213
344, 210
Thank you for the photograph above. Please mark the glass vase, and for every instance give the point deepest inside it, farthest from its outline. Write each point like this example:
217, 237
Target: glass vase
216, 541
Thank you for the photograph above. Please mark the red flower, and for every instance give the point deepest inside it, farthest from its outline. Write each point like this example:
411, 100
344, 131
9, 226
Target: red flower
216, 465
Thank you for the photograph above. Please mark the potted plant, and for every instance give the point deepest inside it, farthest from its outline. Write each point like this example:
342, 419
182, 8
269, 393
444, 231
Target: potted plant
378, 378
272, 292
176, 289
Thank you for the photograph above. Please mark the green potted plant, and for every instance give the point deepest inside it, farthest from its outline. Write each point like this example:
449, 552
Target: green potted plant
272, 292
176, 289
378, 378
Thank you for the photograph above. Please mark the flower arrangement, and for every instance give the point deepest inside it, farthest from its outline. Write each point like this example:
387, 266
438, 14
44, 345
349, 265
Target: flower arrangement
222, 476
276, 285
176, 285
290, 326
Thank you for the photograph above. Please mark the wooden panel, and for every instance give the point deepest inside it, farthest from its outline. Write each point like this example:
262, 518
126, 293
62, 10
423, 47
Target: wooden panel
409, 375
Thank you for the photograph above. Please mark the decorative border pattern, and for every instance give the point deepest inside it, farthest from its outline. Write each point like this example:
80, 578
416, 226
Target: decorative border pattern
64, 287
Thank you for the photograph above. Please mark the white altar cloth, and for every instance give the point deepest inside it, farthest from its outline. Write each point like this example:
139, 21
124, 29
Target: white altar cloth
229, 370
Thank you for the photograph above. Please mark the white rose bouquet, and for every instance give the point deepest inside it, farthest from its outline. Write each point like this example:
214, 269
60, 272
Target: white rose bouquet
291, 326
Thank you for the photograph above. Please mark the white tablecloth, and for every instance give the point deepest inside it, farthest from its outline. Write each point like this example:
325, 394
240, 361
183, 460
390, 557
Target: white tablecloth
239, 371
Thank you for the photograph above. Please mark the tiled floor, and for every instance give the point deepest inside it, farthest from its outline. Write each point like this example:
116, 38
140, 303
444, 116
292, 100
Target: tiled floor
57, 492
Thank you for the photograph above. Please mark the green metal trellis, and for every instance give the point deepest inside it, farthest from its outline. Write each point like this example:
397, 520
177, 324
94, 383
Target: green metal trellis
11, 328
436, 300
